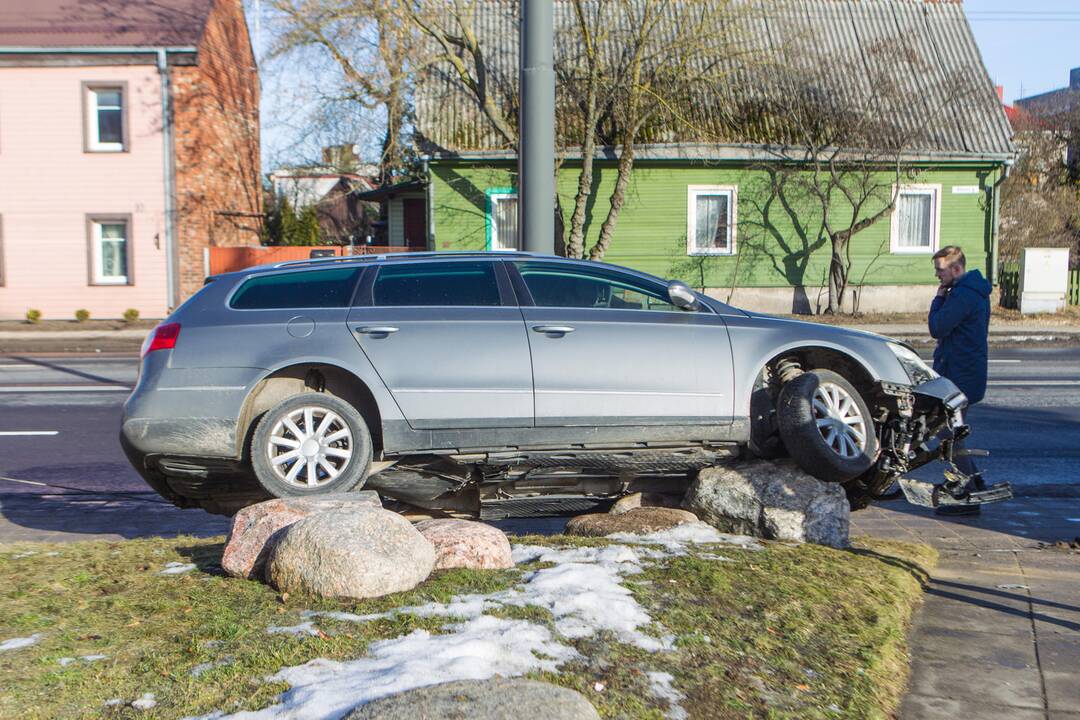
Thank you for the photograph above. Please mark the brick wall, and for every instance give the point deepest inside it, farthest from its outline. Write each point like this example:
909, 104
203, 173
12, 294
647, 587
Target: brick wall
216, 122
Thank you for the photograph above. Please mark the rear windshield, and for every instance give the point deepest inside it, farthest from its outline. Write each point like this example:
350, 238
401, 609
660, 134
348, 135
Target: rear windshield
437, 283
307, 289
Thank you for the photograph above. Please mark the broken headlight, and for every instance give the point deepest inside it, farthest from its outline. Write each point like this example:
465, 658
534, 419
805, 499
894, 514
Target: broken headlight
915, 367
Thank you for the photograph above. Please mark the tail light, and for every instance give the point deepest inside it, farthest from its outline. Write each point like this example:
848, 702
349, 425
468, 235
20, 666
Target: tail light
163, 338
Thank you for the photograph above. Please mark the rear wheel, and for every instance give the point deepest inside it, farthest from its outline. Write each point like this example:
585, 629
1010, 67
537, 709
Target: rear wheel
826, 426
311, 444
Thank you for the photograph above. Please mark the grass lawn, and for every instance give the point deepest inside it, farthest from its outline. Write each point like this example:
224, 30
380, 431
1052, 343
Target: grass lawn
788, 632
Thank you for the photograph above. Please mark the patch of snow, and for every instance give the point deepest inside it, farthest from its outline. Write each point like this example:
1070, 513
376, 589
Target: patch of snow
342, 616
675, 539
478, 649
52, 554
114, 702
20, 556
177, 568
661, 685
65, 661
147, 701
92, 658
16, 643
304, 628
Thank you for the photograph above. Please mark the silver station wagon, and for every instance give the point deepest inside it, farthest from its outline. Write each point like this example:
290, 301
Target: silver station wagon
485, 382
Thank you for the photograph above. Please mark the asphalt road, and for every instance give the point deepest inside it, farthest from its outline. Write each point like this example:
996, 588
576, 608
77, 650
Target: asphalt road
60, 415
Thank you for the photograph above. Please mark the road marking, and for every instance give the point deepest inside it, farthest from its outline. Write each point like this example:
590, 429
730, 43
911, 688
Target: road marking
1006, 361
10, 433
1037, 383
64, 388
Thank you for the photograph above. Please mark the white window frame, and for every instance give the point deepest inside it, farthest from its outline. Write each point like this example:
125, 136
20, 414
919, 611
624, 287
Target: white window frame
494, 199
692, 194
934, 191
93, 131
96, 241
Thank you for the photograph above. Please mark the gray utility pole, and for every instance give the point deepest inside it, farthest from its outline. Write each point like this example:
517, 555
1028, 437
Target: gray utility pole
536, 128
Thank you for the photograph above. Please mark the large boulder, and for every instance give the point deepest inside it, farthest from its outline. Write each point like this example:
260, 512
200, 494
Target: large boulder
257, 528
494, 699
466, 544
349, 554
777, 501
639, 521
637, 500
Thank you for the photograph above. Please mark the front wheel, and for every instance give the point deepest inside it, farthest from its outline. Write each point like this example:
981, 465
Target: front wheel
311, 444
826, 426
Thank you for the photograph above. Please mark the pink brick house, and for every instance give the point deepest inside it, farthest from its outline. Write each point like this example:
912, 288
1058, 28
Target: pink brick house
128, 144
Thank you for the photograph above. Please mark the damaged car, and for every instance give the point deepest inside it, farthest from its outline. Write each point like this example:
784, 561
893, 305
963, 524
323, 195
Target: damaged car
510, 383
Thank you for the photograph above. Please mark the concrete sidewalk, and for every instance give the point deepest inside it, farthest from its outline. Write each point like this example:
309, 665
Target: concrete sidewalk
998, 636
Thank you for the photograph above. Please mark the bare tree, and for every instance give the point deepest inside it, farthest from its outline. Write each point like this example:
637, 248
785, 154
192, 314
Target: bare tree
838, 153
369, 50
1040, 200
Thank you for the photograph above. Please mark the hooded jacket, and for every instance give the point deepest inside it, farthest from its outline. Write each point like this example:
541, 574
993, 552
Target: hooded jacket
960, 322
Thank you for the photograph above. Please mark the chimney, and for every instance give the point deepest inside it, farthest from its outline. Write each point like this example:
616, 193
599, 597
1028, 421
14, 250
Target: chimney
1074, 78
1000, 90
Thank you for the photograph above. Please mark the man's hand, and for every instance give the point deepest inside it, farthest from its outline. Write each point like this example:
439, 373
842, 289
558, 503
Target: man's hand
943, 290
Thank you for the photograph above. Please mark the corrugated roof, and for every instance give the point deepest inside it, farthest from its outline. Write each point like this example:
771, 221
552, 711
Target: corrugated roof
900, 63
102, 23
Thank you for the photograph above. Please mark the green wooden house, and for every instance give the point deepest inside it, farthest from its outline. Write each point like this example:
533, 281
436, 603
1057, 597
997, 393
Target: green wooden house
702, 206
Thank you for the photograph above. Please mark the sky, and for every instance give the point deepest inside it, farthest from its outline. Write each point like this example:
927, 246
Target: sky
1028, 48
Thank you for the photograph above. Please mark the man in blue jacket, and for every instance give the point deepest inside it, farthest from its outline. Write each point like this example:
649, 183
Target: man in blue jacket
960, 322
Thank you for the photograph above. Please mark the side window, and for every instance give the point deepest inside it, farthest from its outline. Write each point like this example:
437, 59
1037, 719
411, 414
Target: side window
307, 289
567, 286
436, 284
105, 117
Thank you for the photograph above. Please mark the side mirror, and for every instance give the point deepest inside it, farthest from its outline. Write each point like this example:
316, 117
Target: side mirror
682, 296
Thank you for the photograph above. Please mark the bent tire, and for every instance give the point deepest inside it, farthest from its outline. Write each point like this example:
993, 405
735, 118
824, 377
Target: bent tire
311, 444
826, 426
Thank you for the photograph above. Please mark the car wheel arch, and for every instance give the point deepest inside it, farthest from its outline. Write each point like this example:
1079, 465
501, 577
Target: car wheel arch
303, 377
819, 357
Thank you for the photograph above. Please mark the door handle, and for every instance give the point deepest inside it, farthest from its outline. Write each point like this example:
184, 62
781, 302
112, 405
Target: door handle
553, 329
376, 330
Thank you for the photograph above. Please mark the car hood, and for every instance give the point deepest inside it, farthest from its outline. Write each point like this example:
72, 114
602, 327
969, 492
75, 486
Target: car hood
827, 329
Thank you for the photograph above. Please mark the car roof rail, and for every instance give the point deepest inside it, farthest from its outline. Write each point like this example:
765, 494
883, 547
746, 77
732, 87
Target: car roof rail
408, 256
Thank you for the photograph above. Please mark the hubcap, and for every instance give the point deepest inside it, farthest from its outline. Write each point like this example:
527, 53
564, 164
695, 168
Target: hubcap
839, 420
310, 446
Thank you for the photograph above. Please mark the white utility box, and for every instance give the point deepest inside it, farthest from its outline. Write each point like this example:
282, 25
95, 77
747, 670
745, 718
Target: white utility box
1044, 280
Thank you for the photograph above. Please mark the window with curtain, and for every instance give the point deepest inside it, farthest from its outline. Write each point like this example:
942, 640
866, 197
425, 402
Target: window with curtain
914, 224
504, 222
110, 252
711, 220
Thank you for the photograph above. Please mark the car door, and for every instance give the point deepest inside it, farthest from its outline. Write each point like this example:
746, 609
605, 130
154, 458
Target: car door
608, 348
448, 341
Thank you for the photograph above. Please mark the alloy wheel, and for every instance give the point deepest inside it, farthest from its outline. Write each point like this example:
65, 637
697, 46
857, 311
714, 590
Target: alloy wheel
310, 446
839, 420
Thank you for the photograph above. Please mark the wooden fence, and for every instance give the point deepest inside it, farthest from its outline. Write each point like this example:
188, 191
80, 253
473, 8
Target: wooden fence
219, 260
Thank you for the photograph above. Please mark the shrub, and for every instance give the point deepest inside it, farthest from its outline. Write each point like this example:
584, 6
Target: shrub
131, 315
82, 315
33, 316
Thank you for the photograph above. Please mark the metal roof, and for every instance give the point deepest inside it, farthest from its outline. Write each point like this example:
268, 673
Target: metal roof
102, 23
844, 49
